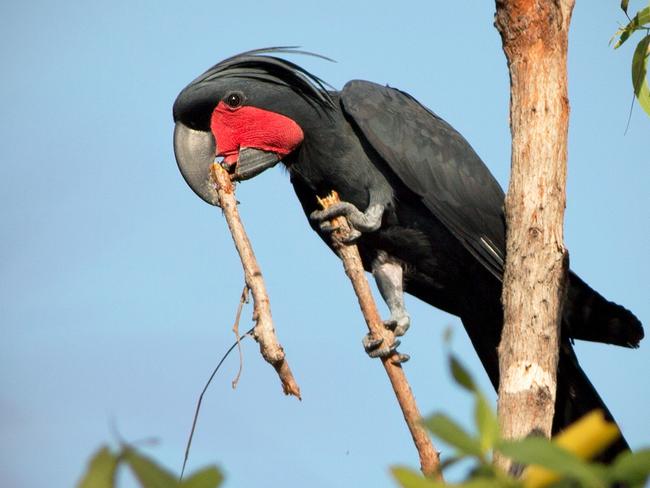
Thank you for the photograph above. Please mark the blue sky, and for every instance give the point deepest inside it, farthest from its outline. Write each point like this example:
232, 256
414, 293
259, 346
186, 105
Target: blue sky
118, 287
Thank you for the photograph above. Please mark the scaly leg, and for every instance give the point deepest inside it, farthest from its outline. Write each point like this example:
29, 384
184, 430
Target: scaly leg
389, 277
388, 274
390, 281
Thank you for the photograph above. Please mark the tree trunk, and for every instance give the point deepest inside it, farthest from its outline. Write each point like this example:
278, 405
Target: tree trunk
534, 34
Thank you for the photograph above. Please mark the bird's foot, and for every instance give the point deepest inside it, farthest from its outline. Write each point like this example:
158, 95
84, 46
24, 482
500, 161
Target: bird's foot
399, 322
345, 237
378, 347
359, 221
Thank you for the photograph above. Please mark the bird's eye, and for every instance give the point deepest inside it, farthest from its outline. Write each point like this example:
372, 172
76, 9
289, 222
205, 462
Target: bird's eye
234, 100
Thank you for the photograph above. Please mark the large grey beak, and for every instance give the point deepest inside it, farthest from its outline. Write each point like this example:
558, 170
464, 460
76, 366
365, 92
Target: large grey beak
195, 154
194, 150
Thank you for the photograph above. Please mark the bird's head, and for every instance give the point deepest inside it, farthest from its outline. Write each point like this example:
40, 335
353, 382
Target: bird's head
248, 109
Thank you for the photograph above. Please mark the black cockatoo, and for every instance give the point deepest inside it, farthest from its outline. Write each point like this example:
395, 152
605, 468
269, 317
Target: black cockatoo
427, 214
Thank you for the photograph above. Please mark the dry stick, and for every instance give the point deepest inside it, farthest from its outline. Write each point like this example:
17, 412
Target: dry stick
264, 333
349, 254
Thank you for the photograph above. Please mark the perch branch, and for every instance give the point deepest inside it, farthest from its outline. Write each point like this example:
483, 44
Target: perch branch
264, 333
349, 254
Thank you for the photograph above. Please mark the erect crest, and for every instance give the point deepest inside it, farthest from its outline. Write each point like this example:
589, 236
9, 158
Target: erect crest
255, 65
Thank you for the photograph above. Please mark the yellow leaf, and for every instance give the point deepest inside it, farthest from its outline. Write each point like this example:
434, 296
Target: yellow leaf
585, 438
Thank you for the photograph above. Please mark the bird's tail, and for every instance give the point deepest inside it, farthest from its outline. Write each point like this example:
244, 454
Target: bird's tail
590, 317
576, 397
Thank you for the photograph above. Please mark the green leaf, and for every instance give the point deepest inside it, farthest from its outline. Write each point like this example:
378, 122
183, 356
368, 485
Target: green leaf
449, 461
486, 421
101, 470
638, 22
482, 482
453, 434
639, 73
541, 451
147, 472
407, 478
631, 468
643, 17
624, 5
460, 374
209, 477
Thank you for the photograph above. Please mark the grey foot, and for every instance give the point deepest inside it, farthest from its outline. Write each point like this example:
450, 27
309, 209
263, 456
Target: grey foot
359, 221
328, 228
375, 348
398, 324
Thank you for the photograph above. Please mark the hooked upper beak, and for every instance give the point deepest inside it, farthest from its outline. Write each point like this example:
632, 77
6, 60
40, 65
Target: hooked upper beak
194, 151
195, 154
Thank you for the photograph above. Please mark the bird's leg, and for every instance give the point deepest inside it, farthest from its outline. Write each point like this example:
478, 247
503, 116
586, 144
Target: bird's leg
390, 281
359, 221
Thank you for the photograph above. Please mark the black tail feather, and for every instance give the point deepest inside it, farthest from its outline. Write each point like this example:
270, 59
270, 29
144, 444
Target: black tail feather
576, 397
590, 317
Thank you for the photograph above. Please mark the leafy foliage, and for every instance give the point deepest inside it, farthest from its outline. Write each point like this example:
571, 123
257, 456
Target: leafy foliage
560, 462
640, 22
104, 464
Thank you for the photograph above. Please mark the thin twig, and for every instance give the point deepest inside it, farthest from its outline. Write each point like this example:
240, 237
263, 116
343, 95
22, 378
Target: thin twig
235, 329
264, 333
198, 403
349, 254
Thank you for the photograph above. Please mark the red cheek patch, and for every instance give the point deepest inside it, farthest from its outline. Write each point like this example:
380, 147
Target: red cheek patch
255, 128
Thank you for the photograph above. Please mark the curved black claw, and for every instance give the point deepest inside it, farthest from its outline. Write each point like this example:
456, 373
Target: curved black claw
401, 359
373, 346
327, 227
359, 221
351, 236
333, 211
370, 343
399, 325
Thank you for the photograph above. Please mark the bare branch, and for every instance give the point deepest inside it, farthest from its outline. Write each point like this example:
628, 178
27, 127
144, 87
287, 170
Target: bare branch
264, 332
349, 254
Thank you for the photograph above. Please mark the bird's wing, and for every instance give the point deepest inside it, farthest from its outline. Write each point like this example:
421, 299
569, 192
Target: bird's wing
435, 162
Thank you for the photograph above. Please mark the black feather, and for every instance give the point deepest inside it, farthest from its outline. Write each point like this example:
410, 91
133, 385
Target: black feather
257, 65
436, 163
